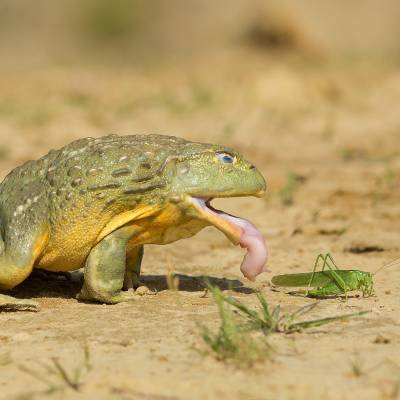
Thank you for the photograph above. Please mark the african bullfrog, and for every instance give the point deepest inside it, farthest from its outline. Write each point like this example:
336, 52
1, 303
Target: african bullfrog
96, 202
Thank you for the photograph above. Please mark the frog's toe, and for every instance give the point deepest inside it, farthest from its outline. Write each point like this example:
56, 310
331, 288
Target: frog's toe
144, 290
8, 303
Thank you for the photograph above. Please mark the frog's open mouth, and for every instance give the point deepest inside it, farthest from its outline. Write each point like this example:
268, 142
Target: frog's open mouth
239, 231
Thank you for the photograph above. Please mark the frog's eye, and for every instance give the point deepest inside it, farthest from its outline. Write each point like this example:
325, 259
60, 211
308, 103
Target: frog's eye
226, 158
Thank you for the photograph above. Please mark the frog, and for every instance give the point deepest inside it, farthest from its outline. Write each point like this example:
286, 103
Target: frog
96, 202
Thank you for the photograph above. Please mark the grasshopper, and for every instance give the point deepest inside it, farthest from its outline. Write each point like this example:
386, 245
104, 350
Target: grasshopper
331, 281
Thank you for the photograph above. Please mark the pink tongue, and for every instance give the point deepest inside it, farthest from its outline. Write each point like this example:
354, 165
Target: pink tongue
251, 239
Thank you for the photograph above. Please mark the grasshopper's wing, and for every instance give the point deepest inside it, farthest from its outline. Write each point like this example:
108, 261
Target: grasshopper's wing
303, 279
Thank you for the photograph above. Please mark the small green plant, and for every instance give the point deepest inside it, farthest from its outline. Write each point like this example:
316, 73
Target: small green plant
56, 376
235, 340
274, 320
291, 185
232, 341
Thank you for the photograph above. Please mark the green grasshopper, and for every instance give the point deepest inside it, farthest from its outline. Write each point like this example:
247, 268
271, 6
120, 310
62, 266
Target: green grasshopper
330, 282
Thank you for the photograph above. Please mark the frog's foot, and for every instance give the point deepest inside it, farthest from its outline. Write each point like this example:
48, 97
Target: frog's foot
8, 303
88, 295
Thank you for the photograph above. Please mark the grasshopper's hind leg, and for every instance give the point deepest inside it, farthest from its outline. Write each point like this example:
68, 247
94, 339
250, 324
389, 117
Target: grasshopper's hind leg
336, 287
339, 283
319, 257
328, 258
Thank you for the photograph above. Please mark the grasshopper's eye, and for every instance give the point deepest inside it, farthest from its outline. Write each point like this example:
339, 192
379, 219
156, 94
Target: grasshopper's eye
226, 158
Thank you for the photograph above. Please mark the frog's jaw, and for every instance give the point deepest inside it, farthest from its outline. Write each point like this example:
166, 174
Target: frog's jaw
239, 231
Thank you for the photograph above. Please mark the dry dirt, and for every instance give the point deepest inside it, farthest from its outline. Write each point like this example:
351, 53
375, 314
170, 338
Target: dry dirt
334, 126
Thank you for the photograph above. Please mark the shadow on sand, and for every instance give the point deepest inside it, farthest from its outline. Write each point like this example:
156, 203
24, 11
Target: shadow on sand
66, 285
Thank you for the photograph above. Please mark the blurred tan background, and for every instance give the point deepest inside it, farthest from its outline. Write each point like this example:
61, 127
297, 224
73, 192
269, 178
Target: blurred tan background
235, 71
74, 68
64, 30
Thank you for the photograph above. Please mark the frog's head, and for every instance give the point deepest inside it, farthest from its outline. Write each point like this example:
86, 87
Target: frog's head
217, 171
203, 172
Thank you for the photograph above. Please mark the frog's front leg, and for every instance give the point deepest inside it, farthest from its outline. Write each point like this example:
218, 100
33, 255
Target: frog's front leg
105, 268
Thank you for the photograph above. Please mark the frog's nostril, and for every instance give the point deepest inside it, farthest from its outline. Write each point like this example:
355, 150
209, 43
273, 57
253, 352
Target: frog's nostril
252, 167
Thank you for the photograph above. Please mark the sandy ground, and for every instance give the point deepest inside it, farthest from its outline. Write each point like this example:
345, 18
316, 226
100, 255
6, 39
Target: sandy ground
335, 126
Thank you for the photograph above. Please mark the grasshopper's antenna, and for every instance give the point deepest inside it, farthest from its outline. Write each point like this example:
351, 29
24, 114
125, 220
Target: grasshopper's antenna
392, 263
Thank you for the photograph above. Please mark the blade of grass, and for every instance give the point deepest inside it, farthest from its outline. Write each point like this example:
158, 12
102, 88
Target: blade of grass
235, 303
276, 312
304, 310
318, 322
64, 375
264, 306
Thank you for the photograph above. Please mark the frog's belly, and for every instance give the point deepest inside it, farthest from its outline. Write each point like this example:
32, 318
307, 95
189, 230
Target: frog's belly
69, 249
66, 252
160, 234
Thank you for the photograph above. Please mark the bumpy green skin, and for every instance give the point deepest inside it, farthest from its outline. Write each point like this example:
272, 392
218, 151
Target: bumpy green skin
53, 210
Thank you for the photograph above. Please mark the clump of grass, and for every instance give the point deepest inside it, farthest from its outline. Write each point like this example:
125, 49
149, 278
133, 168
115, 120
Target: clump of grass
232, 341
56, 376
291, 185
269, 321
235, 338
